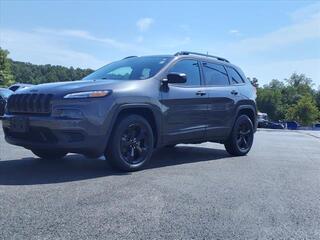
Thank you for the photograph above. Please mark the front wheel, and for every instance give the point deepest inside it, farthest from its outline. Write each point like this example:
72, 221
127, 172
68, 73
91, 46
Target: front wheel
241, 137
131, 144
49, 154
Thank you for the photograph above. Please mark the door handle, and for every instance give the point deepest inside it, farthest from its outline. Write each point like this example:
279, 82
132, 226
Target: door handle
201, 93
234, 92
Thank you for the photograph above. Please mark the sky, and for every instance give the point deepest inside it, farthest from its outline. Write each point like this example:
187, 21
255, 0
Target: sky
267, 39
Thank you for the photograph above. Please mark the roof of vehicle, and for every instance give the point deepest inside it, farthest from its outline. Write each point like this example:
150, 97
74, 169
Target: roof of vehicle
188, 54
5, 89
198, 56
201, 55
22, 84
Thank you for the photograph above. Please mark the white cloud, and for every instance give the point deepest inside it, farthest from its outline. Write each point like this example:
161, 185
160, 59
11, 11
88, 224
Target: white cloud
305, 12
234, 32
37, 48
253, 54
86, 36
144, 24
292, 34
282, 69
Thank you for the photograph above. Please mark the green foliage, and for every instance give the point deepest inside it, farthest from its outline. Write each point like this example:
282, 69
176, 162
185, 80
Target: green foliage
317, 98
36, 74
254, 82
20, 72
293, 99
305, 111
6, 77
270, 101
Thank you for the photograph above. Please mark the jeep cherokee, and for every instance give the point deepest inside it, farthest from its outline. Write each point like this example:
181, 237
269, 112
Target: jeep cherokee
128, 108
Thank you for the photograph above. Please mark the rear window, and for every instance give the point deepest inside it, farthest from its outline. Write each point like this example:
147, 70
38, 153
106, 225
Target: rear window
235, 76
215, 74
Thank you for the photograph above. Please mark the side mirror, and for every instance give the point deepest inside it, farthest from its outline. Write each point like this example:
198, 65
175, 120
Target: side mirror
177, 78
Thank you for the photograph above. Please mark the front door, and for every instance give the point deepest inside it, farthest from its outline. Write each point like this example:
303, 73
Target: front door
185, 105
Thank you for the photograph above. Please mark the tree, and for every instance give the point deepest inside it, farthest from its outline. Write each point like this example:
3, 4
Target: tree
254, 81
305, 111
36, 74
297, 80
276, 84
270, 101
317, 97
6, 77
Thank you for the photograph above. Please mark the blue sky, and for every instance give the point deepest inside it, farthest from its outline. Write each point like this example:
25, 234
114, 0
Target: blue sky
268, 39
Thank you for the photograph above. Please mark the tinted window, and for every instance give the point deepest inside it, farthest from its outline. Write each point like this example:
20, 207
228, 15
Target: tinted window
190, 68
121, 73
134, 68
215, 74
235, 76
13, 88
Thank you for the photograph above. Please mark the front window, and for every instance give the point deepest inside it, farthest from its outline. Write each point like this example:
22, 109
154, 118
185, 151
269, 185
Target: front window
133, 68
191, 69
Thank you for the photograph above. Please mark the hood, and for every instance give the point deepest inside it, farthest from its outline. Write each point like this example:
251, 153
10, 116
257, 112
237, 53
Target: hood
63, 88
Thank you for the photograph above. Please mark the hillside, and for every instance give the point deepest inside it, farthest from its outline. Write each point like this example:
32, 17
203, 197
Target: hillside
31, 73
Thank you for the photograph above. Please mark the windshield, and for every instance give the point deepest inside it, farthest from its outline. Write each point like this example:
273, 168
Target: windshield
133, 68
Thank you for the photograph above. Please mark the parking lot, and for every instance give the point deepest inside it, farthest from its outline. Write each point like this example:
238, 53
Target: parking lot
189, 192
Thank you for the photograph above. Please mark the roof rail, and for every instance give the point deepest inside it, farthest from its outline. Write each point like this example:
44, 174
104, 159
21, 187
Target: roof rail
129, 57
200, 54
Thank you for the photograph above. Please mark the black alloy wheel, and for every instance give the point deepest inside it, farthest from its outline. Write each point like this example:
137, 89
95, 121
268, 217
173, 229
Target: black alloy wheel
245, 136
241, 137
131, 143
135, 143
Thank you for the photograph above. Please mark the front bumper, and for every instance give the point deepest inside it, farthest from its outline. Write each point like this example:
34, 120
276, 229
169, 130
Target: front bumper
45, 132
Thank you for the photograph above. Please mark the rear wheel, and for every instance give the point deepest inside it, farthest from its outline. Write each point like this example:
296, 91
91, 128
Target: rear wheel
49, 154
131, 144
241, 137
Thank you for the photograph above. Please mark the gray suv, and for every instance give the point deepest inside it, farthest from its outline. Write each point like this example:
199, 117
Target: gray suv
128, 108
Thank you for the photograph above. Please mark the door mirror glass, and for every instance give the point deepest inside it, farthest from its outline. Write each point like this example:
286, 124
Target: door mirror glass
177, 78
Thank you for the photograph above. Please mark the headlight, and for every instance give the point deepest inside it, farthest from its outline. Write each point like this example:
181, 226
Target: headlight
89, 94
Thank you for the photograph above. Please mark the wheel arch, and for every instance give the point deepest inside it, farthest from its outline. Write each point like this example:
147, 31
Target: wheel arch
250, 111
147, 111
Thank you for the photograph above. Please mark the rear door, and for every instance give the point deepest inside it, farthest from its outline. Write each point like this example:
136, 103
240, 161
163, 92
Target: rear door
222, 100
185, 105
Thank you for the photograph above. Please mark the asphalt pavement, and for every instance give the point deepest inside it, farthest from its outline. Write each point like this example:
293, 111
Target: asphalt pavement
189, 192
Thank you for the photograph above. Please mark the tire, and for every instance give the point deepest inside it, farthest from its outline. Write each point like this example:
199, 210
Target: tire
131, 143
241, 138
49, 154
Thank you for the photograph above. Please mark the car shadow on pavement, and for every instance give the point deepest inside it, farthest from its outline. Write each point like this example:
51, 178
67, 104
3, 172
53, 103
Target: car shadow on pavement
32, 171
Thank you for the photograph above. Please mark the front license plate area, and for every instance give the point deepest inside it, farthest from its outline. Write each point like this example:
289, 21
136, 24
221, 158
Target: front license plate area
19, 124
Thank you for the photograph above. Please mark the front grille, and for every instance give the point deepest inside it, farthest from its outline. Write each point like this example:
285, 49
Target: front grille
30, 103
